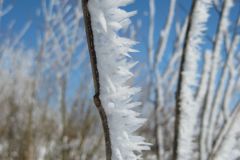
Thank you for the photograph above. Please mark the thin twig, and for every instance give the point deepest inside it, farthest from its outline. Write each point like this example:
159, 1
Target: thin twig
224, 132
97, 100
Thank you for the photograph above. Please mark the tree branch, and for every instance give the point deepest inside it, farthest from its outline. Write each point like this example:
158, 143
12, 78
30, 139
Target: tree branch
179, 88
224, 132
95, 74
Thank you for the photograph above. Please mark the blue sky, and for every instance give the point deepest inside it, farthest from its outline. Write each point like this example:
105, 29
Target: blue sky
23, 11
26, 10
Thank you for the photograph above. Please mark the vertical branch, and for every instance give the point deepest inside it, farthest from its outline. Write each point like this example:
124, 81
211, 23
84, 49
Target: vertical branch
95, 74
156, 127
186, 106
28, 137
224, 82
164, 35
151, 32
201, 96
177, 51
63, 82
221, 89
201, 92
11, 117
223, 135
179, 88
206, 138
154, 61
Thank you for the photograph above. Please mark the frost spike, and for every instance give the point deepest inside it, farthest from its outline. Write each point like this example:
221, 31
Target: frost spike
111, 66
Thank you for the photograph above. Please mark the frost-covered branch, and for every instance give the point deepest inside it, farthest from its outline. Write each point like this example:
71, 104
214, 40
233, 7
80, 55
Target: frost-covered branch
204, 79
151, 32
178, 49
95, 72
222, 28
231, 127
111, 73
222, 86
186, 106
164, 35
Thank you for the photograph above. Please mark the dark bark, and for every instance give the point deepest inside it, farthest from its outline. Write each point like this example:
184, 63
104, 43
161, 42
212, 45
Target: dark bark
95, 75
179, 87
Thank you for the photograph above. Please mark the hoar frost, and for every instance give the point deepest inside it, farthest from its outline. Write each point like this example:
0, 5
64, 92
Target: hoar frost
113, 64
189, 105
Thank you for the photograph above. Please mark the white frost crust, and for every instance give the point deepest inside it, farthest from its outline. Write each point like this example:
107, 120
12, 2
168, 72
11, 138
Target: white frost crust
114, 73
188, 103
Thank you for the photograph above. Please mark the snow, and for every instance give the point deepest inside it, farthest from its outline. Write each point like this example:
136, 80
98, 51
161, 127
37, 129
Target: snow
114, 65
